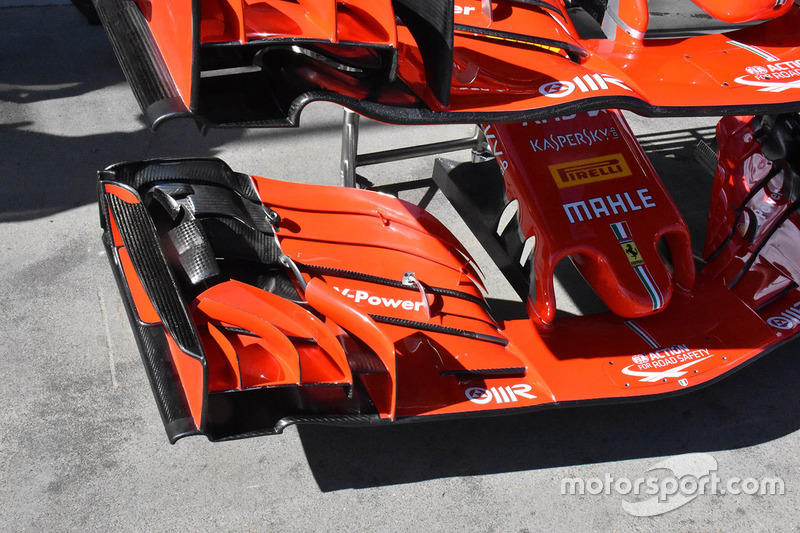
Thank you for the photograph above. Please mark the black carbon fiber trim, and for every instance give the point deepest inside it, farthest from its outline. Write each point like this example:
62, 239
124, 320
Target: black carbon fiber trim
234, 240
512, 371
332, 420
424, 116
541, 4
242, 331
153, 349
431, 24
237, 229
223, 201
477, 192
141, 241
439, 329
268, 410
335, 420
185, 170
164, 382
349, 274
141, 61
520, 37
194, 252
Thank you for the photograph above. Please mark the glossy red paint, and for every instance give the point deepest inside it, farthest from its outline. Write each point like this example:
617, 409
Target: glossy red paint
606, 213
534, 58
744, 10
753, 225
141, 302
171, 24
385, 314
427, 365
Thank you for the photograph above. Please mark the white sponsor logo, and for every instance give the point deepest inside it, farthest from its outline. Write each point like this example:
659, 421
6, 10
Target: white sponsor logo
466, 10
578, 138
781, 70
757, 70
363, 297
662, 353
775, 77
763, 208
606, 206
789, 319
585, 84
664, 359
756, 167
507, 394
784, 66
491, 138
768, 86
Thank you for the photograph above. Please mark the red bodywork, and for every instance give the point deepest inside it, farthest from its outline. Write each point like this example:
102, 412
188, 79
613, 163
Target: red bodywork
259, 63
372, 309
594, 210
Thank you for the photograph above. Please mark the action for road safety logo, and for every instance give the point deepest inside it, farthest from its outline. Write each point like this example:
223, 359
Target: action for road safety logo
774, 77
664, 369
673, 364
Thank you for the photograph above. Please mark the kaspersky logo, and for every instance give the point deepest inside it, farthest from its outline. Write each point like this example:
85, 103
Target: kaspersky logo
590, 170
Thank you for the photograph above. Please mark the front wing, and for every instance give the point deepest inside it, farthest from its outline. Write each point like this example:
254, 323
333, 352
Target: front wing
259, 303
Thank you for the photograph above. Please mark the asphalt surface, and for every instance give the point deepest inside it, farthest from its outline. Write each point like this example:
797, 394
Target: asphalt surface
81, 442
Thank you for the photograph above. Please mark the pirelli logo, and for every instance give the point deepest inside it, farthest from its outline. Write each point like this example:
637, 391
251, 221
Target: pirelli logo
607, 167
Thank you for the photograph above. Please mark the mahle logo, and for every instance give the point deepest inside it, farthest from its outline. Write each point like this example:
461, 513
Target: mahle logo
590, 170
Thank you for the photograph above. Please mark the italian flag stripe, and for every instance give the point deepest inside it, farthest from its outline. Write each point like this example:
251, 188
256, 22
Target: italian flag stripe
650, 286
643, 334
619, 230
755, 50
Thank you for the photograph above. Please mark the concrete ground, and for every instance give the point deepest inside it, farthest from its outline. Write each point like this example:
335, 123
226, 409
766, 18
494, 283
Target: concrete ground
81, 443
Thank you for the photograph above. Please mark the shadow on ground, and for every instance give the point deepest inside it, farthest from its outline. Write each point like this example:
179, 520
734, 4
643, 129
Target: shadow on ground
750, 407
753, 406
46, 173
53, 91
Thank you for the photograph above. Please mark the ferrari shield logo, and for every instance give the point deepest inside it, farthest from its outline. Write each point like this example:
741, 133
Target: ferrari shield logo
632, 252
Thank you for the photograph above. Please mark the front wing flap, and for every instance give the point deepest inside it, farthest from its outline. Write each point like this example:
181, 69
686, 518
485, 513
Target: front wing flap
229, 63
